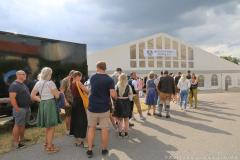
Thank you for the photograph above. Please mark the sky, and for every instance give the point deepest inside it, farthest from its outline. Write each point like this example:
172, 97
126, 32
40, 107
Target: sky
213, 25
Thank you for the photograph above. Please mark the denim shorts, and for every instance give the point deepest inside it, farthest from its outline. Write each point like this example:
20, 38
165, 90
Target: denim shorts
22, 116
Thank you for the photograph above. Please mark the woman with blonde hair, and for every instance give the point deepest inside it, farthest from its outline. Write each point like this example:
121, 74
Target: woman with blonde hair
151, 93
184, 86
48, 116
122, 105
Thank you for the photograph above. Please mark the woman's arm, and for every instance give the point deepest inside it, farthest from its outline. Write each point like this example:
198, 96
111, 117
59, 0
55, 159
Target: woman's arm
34, 96
55, 93
84, 88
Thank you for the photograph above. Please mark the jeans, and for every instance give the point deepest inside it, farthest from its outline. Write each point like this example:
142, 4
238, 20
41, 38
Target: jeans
184, 98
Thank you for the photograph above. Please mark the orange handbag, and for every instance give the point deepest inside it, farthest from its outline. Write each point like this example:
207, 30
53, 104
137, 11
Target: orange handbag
83, 95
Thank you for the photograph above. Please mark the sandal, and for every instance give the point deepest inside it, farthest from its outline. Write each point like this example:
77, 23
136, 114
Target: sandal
45, 145
52, 149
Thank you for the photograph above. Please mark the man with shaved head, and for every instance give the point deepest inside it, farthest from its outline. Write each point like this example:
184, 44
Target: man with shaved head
20, 100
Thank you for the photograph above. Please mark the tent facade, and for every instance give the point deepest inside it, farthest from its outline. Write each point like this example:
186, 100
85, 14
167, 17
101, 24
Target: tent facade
212, 71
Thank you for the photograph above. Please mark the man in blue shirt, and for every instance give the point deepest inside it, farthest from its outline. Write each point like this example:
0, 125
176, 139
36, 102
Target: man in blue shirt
102, 87
20, 100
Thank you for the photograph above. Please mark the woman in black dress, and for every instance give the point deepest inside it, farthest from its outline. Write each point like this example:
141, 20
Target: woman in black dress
78, 127
122, 104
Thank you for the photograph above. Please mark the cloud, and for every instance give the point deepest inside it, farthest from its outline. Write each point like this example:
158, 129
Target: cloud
220, 31
106, 23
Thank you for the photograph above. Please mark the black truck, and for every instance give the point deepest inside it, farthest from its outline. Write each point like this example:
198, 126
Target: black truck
30, 53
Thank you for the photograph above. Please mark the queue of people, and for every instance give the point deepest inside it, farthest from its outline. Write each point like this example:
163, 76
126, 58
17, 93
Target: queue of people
93, 104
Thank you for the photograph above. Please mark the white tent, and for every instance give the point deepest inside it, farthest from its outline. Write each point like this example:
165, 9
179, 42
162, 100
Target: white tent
213, 72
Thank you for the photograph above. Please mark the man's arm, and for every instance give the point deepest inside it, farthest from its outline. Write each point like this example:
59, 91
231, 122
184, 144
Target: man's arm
12, 96
113, 93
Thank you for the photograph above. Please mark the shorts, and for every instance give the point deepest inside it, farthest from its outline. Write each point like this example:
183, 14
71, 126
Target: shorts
102, 118
165, 98
22, 116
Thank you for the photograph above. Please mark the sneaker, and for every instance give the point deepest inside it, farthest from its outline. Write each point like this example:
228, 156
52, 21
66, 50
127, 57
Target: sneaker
104, 152
20, 146
167, 116
142, 118
90, 154
159, 115
120, 134
126, 134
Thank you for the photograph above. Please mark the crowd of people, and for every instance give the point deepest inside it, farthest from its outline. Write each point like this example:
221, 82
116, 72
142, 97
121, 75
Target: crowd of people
96, 102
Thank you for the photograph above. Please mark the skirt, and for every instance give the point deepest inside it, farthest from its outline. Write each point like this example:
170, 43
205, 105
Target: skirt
152, 97
79, 122
122, 108
47, 114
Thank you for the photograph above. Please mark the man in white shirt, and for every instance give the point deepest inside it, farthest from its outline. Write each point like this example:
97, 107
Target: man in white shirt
136, 99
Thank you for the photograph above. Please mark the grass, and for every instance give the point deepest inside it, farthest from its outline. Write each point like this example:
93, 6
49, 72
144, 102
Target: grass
34, 134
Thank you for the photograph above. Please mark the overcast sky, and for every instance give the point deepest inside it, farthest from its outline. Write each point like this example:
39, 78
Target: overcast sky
213, 25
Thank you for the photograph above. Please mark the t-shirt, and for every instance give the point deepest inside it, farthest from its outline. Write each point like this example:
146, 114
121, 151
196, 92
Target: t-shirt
44, 88
135, 84
23, 97
131, 85
99, 98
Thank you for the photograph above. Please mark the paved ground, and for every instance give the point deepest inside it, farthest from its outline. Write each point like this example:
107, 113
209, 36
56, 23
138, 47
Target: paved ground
211, 132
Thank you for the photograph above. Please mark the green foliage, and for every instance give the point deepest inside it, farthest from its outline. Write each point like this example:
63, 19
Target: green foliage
231, 59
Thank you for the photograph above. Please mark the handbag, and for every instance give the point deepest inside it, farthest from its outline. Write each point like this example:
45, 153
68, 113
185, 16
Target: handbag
83, 95
60, 101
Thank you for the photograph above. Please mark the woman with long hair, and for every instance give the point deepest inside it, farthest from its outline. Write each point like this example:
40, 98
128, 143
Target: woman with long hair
122, 104
184, 86
151, 94
193, 91
79, 123
48, 116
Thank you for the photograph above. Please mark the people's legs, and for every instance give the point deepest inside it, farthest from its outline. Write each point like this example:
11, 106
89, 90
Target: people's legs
67, 122
185, 97
90, 137
168, 100
161, 102
50, 135
22, 130
105, 138
190, 97
19, 126
104, 122
16, 134
46, 138
149, 108
195, 97
92, 123
137, 103
126, 124
121, 124
181, 99
154, 109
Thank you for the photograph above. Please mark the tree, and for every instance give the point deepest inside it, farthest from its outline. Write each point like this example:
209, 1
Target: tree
231, 59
